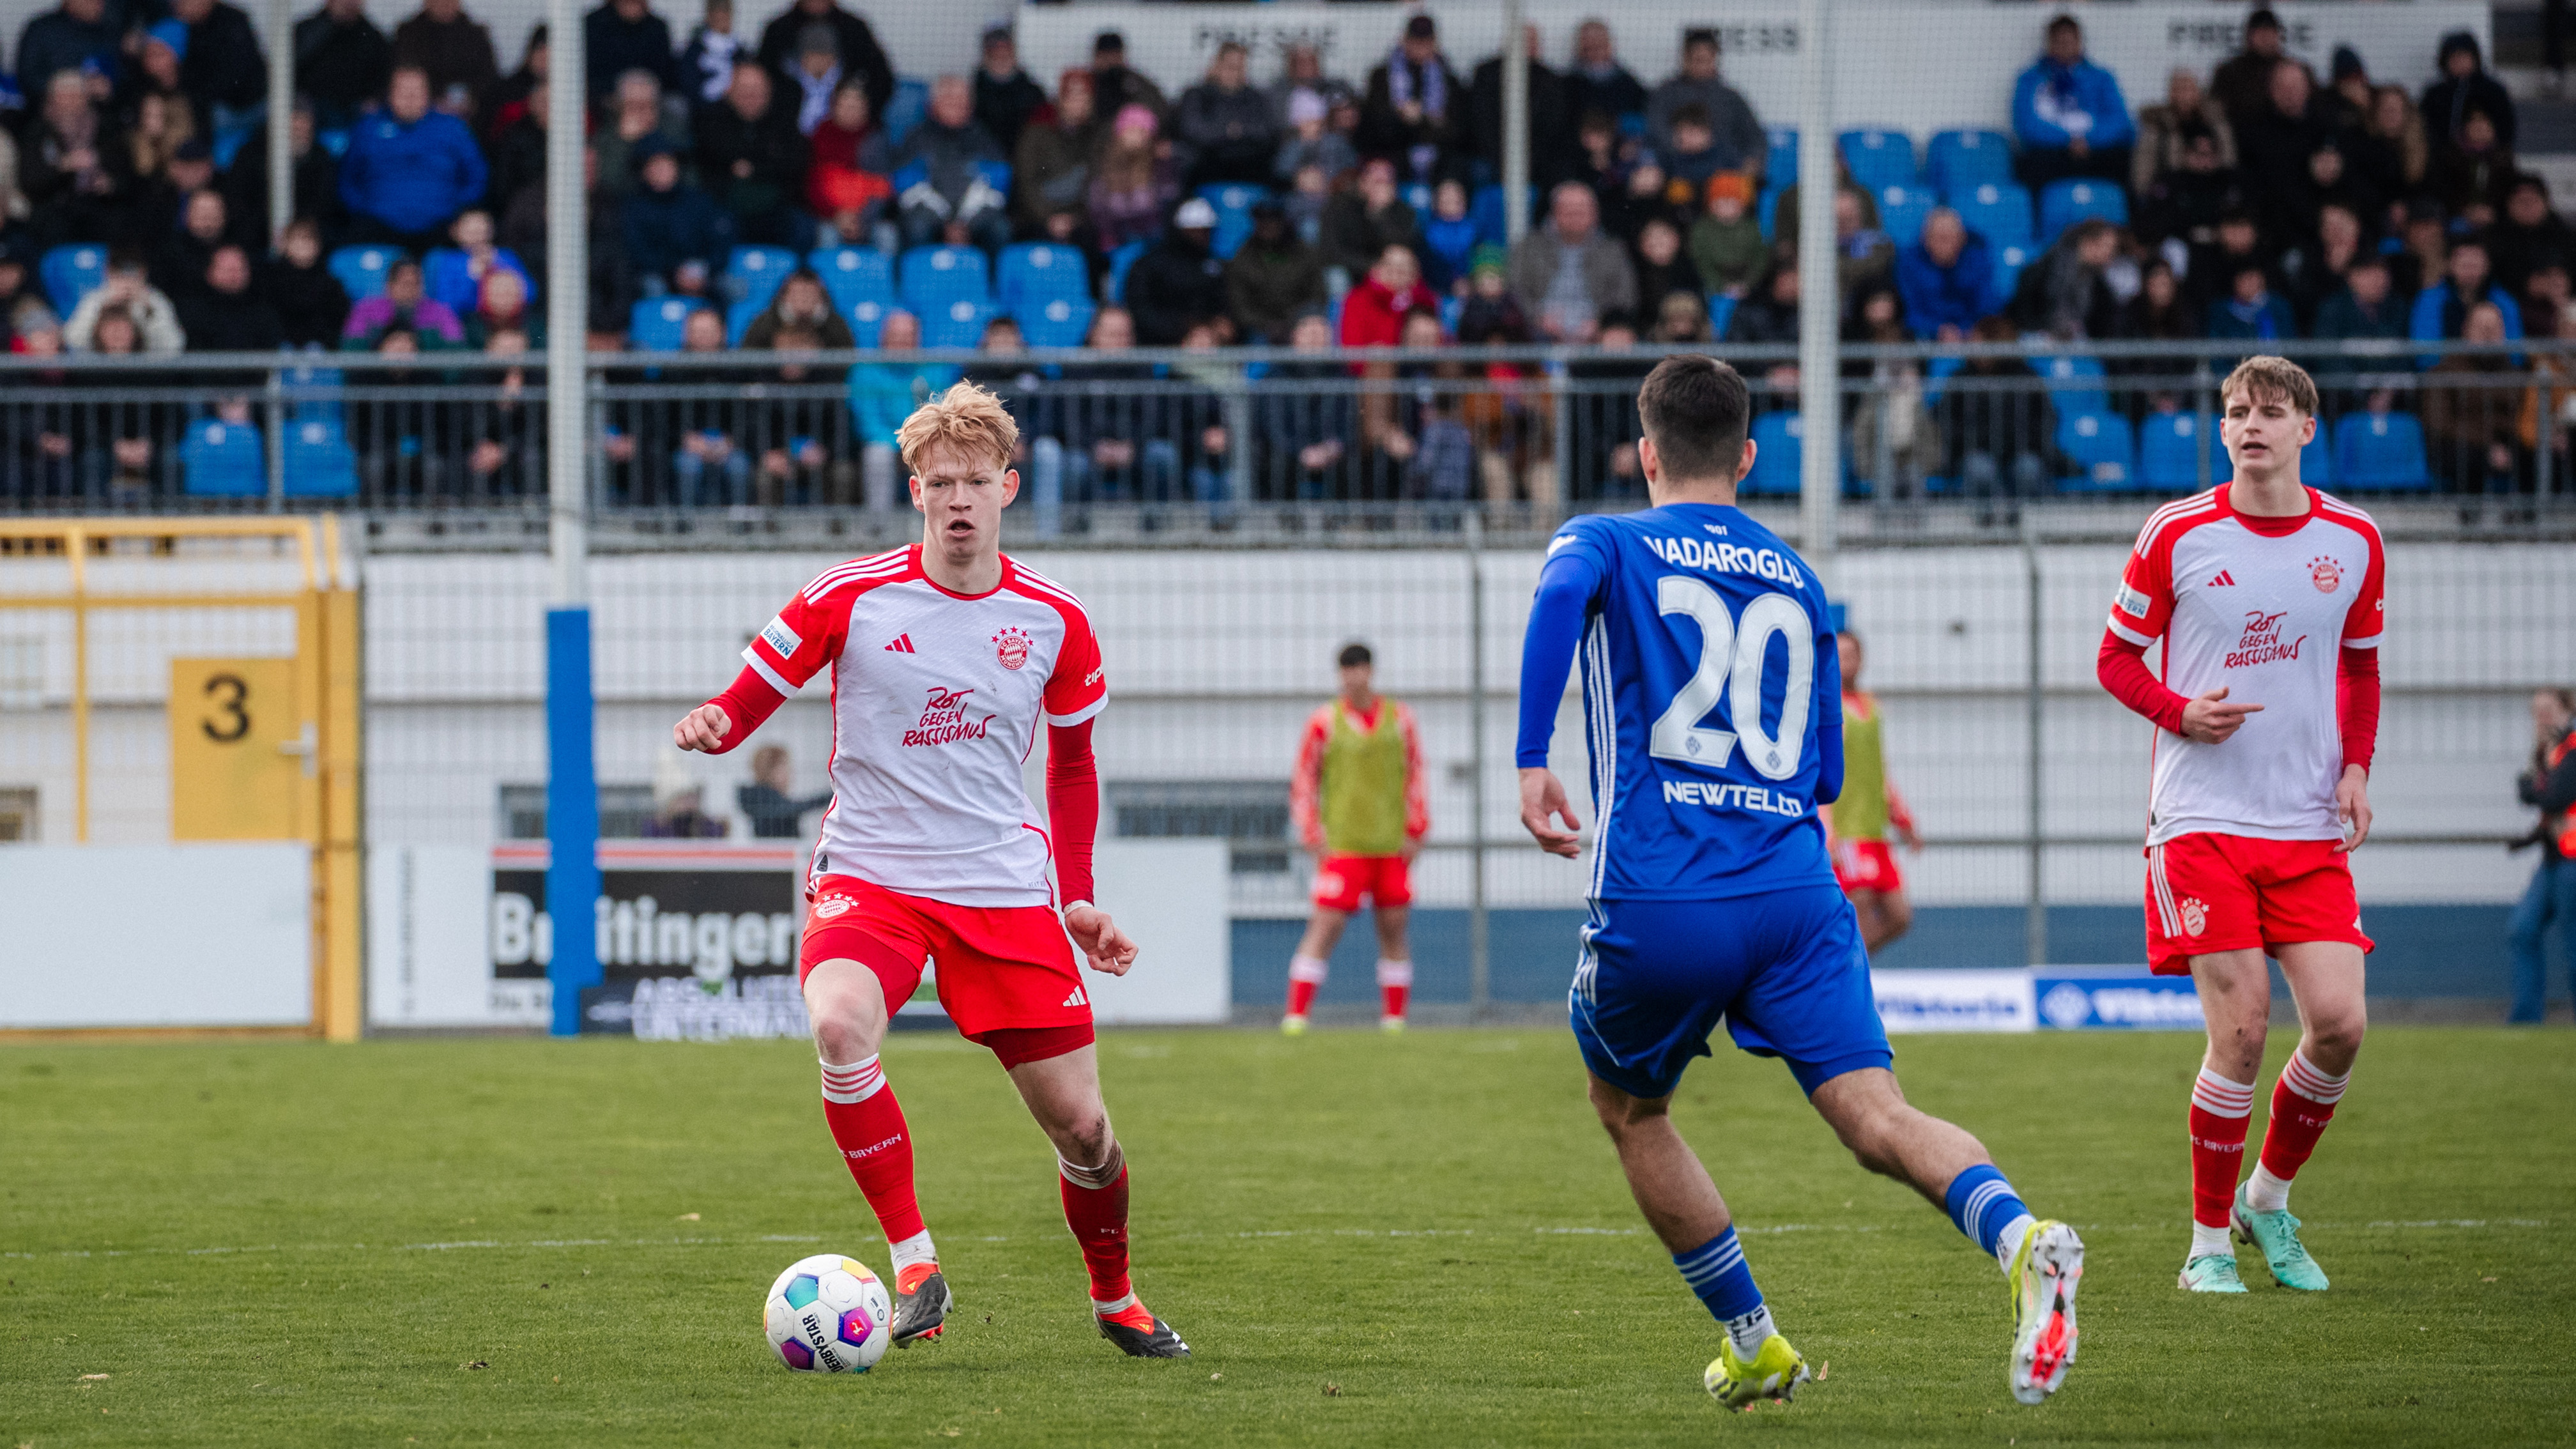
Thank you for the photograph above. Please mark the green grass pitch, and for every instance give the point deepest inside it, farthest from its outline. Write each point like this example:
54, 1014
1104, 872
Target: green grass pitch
1366, 1241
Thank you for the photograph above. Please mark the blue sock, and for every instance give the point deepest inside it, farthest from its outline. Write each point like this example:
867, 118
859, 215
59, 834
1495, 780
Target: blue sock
1983, 1204
1715, 1271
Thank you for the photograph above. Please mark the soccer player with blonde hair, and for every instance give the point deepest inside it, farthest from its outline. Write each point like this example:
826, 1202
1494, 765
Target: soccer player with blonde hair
946, 656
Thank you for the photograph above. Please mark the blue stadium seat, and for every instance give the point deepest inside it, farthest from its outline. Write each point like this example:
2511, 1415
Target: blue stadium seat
853, 274
319, 463
2075, 383
1768, 208
754, 274
1417, 194
2008, 264
1780, 162
2065, 203
1035, 273
1485, 209
361, 270
2316, 460
959, 324
1060, 322
1901, 212
71, 273
1779, 451
1879, 158
660, 324
933, 277
1125, 257
313, 393
867, 317
2379, 452
906, 111
1958, 160
739, 317
2103, 445
1999, 211
1233, 202
223, 460
1721, 310
2170, 448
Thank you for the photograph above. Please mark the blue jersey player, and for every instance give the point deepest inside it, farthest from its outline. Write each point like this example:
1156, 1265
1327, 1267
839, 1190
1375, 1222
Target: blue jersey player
1712, 706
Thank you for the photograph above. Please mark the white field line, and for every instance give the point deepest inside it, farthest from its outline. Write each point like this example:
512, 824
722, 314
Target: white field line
863, 1240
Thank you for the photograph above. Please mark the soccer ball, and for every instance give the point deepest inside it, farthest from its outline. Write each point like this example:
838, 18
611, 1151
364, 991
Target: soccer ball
829, 1315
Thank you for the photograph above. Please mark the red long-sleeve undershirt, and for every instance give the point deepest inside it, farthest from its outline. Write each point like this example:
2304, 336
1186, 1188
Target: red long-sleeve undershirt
2122, 668
1072, 777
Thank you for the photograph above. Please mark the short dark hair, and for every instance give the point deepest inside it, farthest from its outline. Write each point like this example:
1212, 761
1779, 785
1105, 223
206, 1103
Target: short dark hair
2065, 21
1354, 655
1695, 409
1702, 35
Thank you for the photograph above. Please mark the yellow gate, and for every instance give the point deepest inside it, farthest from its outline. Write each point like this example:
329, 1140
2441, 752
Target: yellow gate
167, 680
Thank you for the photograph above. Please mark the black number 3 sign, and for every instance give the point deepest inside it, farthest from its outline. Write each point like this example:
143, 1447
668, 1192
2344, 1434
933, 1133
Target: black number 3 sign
235, 720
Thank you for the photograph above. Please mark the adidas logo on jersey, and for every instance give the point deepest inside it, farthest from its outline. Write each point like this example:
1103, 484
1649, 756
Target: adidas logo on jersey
2223, 580
1076, 999
902, 645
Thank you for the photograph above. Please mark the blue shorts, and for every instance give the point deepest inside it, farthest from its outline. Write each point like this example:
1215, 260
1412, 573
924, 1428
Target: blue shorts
1785, 970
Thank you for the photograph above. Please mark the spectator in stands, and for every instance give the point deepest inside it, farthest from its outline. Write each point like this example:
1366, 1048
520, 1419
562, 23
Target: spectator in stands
1115, 85
2184, 204
1361, 223
752, 160
1005, 96
222, 71
2167, 129
508, 101
225, 315
1223, 129
1306, 431
853, 42
801, 306
2249, 312
156, 73
2069, 115
1770, 313
847, 178
2426, 254
1373, 312
1741, 145
449, 47
2235, 242
2243, 81
1945, 278
668, 223
708, 465
500, 307
1551, 121
795, 465
1051, 170
2392, 152
1134, 183
1114, 449
1302, 69
2529, 236
405, 307
409, 170
955, 200
2442, 309
1864, 256
2366, 308
1785, 211
1309, 193
2547, 783
1605, 426
342, 61
123, 427
2064, 293
1597, 82
315, 177
1726, 244
516, 153
1448, 236
1663, 268
2466, 89
161, 202
2160, 312
503, 460
1311, 141
704, 70
2472, 425
636, 112
1273, 278
626, 35
2317, 267
814, 74
774, 812
129, 293
2002, 443
454, 274
2348, 89
1416, 107
76, 34
2277, 141
1567, 273
1681, 317
2329, 182
312, 306
2471, 176
179, 263
80, 175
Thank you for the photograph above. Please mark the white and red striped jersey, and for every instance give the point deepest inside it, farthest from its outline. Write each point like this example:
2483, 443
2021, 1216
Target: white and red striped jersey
936, 702
2263, 607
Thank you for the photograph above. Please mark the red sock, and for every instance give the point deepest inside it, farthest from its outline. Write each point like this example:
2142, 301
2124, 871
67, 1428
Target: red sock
867, 1124
2303, 1102
1098, 1217
1394, 984
1305, 978
2219, 1109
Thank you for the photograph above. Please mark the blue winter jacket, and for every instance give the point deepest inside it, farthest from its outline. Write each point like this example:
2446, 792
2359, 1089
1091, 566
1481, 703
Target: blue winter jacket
2049, 95
1937, 296
2432, 311
883, 394
412, 178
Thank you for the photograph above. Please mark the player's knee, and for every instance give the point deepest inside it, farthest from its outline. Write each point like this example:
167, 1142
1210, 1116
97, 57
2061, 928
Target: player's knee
1621, 1113
1086, 1140
1895, 915
2336, 1037
848, 1020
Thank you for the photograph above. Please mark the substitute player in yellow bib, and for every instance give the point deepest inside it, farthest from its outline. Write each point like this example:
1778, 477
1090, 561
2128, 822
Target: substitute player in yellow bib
1868, 811
1360, 806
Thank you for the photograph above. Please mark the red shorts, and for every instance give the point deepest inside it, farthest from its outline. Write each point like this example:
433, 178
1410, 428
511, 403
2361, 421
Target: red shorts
1342, 879
1005, 973
1866, 865
2208, 893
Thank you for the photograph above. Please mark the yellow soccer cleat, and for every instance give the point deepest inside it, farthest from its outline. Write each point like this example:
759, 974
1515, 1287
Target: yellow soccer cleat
2045, 1272
1775, 1373
1391, 1025
1292, 1026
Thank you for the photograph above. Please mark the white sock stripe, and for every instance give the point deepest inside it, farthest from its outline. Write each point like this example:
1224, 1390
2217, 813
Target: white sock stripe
1702, 1271
2302, 1077
1308, 968
1395, 973
1121, 1306
855, 1082
2220, 1097
1983, 1197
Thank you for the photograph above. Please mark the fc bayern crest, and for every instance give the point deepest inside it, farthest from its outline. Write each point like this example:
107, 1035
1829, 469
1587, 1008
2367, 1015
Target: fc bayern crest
2195, 916
1011, 646
2325, 573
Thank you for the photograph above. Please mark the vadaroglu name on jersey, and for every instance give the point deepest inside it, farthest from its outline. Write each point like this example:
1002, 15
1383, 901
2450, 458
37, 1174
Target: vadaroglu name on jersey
1736, 797
1726, 558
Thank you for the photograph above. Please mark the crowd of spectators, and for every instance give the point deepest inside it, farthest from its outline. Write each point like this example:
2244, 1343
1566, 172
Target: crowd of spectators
2259, 203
